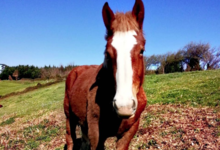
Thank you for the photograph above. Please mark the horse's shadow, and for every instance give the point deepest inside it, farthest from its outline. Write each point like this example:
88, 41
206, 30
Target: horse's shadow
79, 145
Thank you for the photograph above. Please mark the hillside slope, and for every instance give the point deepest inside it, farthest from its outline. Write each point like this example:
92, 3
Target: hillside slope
194, 88
35, 120
7, 86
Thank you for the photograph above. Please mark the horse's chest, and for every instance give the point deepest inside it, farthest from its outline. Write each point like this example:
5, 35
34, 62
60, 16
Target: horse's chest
111, 124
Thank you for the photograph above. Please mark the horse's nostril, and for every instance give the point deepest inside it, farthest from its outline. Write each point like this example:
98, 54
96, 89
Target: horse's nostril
114, 104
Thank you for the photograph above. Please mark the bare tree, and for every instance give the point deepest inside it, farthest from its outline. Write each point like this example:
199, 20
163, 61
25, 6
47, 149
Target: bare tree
194, 54
15, 74
10, 78
165, 60
151, 61
46, 73
201, 54
212, 59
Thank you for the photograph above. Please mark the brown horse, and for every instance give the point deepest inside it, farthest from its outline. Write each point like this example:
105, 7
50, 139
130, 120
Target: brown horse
107, 100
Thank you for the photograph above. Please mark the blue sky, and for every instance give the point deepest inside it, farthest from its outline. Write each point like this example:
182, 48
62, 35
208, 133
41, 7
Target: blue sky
55, 32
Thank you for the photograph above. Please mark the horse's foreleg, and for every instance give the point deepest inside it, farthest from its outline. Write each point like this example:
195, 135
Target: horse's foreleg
70, 126
123, 142
69, 140
93, 115
93, 125
93, 133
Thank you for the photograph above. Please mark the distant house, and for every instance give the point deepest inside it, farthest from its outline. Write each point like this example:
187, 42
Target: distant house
2, 67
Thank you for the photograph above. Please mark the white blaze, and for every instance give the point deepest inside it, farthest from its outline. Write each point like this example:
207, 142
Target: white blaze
124, 42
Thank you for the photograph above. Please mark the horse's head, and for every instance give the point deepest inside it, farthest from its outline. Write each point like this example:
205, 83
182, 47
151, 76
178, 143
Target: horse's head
124, 55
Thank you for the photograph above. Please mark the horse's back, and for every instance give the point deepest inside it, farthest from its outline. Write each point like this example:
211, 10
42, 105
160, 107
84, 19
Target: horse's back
78, 83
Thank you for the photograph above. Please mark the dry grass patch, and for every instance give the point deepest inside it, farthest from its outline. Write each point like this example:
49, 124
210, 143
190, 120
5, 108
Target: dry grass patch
178, 127
161, 127
45, 132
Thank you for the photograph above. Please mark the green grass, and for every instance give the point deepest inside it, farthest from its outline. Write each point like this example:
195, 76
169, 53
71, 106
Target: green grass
35, 135
29, 104
193, 88
8, 121
7, 86
32, 106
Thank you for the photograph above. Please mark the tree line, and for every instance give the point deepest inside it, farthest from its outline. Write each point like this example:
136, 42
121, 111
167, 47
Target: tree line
192, 57
33, 72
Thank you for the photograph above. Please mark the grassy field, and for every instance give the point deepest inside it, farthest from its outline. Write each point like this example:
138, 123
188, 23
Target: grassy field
35, 120
7, 86
41, 100
30, 118
193, 88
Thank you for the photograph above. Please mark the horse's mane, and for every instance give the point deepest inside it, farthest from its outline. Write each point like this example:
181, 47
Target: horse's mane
123, 22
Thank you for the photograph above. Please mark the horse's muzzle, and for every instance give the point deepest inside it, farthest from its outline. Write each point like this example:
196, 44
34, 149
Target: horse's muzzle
127, 110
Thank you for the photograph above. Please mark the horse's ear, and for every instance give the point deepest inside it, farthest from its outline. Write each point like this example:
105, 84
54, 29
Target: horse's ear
108, 16
138, 12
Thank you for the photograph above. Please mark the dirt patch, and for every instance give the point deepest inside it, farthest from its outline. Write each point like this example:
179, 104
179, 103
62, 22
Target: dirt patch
161, 127
175, 127
178, 127
45, 132
28, 89
39, 85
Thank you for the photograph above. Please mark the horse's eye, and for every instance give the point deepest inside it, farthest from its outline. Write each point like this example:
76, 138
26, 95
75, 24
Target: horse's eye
141, 52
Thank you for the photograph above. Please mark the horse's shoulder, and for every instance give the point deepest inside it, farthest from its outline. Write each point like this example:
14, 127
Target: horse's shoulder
81, 69
81, 74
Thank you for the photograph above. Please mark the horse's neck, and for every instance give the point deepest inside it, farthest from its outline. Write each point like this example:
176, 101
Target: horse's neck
106, 77
106, 87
